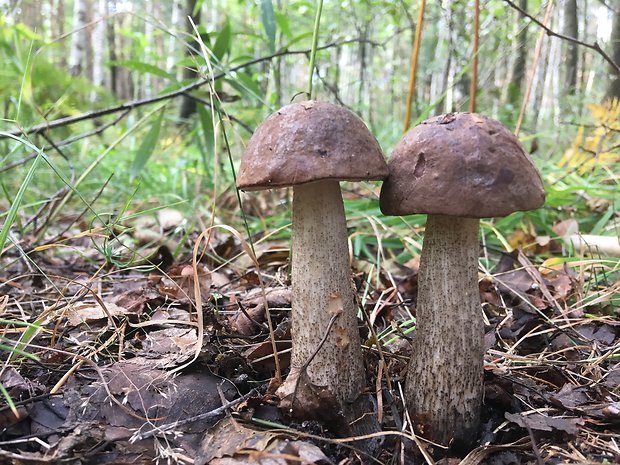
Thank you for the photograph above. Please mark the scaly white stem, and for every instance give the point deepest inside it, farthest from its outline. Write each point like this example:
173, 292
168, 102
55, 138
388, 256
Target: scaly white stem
321, 286
444, 383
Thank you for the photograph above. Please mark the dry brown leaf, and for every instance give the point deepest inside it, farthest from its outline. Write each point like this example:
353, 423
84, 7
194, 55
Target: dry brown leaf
170, 346
539, 422
84, 312
231, 443
301, 399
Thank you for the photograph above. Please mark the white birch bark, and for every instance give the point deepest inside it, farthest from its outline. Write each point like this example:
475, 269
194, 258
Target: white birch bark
78, 38
146, 83
175, 37
99, 45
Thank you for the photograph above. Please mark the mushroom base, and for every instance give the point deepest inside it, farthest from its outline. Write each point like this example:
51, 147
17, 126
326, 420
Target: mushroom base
445, 378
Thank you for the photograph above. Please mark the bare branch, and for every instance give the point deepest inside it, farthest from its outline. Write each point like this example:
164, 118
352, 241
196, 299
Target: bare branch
595, 46
67, 141
139, 436
127, 106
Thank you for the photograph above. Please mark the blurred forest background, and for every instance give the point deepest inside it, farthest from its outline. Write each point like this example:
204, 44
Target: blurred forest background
113, 108
64, 58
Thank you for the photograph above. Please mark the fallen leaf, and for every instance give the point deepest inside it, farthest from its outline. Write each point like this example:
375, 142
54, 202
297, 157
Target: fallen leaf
539, 422
229, 443
571, 396
560, 286
170, 346
302, 399
84, 312
178, 283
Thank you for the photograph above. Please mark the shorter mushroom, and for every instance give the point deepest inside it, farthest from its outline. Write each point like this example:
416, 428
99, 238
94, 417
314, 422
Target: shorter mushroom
312, 146
457, 168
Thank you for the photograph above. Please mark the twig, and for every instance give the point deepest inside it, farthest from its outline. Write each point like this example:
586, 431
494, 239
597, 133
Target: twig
57, 195
595, 46
306, 364
415, 51
263, 326
229, 116
127, 106
58, 236
137, 436
325, 336
535, 449
530, 80
67, 141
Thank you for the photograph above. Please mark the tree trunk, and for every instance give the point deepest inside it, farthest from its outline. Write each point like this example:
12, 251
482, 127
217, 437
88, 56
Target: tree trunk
145, 88
613, 88
99, 47
58, 30
571, 29
518, 69
188, 105
448, 72
362, 49
78, 38
177, 20
444, 381
111, 36
30, 13
87, 70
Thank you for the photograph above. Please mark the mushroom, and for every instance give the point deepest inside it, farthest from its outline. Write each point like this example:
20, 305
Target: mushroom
457, 168
312, 146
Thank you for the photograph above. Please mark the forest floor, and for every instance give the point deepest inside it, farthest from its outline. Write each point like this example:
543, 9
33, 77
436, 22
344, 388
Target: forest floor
107, 363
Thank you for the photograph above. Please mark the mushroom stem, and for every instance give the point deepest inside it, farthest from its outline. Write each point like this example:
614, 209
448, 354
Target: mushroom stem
444, 384
322, 286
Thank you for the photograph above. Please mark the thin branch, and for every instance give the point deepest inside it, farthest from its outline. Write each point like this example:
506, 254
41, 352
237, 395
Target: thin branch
207, 104
67, 141
167, 96
138, 436
415, 51
595, 46
530, 80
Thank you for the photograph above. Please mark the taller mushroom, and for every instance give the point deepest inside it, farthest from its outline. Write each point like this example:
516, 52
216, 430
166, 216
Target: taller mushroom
457, 168
312, 146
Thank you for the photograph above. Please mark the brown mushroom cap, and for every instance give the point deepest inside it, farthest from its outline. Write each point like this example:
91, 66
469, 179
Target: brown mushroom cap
310, 141
461, 164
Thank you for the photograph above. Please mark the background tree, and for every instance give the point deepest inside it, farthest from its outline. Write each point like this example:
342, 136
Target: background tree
188, 105
571, 29
78, 38
613, 89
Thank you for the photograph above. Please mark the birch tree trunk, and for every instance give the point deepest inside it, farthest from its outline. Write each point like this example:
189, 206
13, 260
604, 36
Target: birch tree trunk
188, 106
146, 83
518, 68
87, 68
99, 44
111, 36
78, 38
174, 40
613, 88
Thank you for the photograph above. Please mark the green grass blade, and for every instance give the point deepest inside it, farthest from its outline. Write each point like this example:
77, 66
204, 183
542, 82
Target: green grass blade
8, 399
147, 146
268, 17
223, 42
12, 213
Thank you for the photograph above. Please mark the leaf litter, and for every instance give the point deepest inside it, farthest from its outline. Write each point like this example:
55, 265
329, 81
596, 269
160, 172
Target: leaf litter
109, 383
